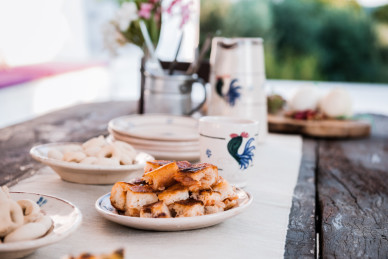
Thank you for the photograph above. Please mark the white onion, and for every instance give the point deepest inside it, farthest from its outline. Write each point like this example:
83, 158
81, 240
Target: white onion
306, 98
336, 103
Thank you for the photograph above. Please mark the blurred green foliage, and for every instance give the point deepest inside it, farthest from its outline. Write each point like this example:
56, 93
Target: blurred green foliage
333, 40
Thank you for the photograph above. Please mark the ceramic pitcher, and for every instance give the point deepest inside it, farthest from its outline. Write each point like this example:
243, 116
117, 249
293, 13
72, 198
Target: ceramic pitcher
237, 80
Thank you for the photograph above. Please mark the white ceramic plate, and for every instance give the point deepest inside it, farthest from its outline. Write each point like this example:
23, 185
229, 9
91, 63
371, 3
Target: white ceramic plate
66, 218
157, 127
105, 208
88, 174
146, 146
173, 155
135, 140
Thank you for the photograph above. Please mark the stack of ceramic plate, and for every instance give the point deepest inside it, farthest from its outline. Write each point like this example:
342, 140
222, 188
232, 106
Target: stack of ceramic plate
163, 136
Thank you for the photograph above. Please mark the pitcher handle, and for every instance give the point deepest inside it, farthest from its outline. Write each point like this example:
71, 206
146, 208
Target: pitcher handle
202, 82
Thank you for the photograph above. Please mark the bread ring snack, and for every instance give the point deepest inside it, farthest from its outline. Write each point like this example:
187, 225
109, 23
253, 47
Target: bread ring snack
76, 156
31, 210
125, 153
95, 142
92, 151
108, 152
96, 151
11, 217
107, 161
90, 160
21, 220
32, 230
55, 154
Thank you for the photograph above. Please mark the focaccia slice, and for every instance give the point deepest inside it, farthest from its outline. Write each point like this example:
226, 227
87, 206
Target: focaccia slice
152, 165
187, 208
198, 176
161, 177
138, 195
226, 190
175, 193
155, 210
217, 207
208, 197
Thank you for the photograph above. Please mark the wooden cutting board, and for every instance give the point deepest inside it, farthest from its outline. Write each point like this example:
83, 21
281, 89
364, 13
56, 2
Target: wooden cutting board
322, 128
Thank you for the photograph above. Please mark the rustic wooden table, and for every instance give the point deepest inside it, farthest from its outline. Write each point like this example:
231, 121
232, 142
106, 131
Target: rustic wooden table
340, 204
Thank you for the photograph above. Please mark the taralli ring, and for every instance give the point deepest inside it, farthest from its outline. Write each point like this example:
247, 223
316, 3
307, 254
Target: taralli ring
31, 210
28, 231
11, 216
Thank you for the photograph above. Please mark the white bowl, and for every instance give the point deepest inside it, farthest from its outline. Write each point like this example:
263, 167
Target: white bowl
65, 216
105, 208
88, 174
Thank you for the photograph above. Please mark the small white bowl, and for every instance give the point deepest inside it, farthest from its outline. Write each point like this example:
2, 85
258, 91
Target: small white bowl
88, 174
65, 216
105, 208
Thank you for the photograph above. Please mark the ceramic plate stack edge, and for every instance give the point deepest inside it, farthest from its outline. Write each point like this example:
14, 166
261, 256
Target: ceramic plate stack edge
165, 137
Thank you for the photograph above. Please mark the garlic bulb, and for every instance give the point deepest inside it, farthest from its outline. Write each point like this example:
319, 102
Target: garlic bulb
306, 98
336, 103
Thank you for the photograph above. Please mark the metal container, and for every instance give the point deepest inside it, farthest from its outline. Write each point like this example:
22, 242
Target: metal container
170, 94
237, 80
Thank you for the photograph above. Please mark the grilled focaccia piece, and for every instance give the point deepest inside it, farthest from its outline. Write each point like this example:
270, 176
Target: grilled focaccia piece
139, 195
175, 193
118, 195
187, 208
208, 197
130, 197
198, 176
119, 254
230, 203
152, 165
225, 189
161, 177
155, 210
217, 207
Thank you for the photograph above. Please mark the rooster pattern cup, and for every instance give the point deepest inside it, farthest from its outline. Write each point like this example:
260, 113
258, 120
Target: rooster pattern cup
230, 144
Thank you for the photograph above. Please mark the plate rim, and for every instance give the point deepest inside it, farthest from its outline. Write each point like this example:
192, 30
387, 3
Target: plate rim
163, 222
81, 167
187, 118
47, 239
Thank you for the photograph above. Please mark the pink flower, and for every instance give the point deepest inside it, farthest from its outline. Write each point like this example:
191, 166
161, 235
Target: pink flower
145, 10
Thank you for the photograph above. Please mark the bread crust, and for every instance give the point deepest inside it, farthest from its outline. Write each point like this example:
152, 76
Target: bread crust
162, 177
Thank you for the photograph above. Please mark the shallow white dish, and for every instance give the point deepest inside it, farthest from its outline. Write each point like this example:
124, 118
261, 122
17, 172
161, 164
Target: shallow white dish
105, 208
153, 142
88, 174
192, 156
158, 145
157, 127
66, 218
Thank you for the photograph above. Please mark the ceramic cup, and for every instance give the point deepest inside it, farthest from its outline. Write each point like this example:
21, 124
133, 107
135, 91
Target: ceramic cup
230, 144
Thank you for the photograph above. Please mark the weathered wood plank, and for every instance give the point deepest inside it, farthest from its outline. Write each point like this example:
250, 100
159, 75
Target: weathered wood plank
353, 195
301, 233
77, 123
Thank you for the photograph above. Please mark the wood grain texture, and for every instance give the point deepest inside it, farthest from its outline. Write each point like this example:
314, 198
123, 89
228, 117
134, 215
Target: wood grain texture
77, 123
353, 195
301, 233
319, 128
